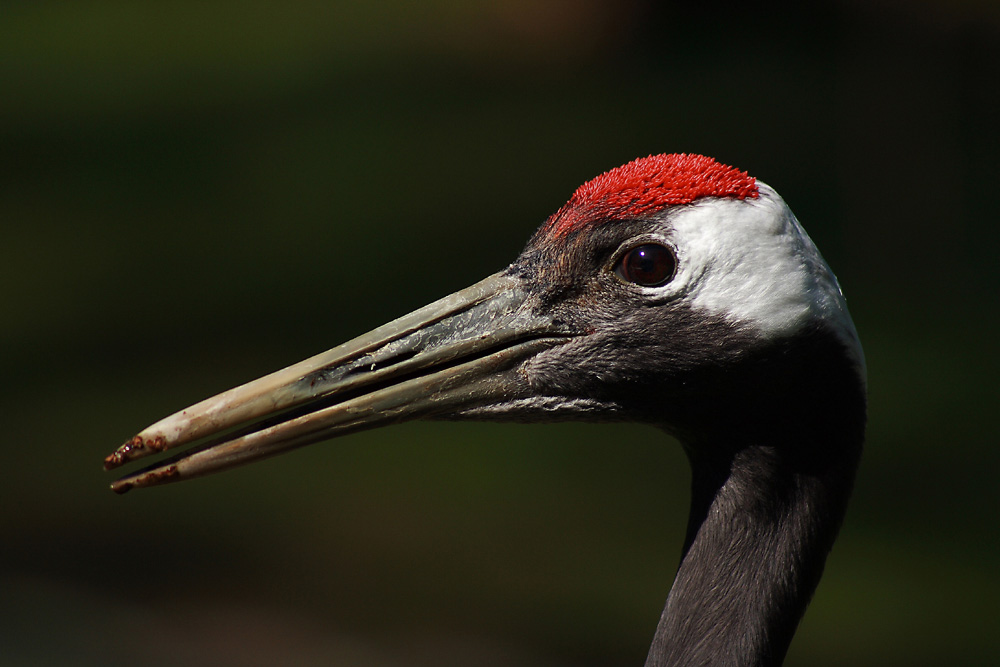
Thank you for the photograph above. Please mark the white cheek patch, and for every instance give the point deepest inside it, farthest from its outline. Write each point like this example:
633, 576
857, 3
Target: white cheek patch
751, 261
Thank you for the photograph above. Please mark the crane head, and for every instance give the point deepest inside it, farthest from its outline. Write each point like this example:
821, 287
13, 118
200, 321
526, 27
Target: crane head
663, 291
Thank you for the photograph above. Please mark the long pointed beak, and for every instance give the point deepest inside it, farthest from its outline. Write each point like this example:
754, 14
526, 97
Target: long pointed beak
455, 354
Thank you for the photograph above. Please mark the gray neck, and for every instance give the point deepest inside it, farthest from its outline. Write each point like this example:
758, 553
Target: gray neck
773, 462
761, 526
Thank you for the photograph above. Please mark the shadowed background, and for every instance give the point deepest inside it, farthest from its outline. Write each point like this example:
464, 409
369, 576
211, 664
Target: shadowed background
195, 194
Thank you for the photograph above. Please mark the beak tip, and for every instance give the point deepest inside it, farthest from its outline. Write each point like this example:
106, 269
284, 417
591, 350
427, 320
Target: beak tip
133, 449
153, 477
121, 487
114, 460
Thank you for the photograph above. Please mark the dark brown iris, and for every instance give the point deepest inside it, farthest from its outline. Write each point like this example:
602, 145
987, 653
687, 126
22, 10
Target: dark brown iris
649, 265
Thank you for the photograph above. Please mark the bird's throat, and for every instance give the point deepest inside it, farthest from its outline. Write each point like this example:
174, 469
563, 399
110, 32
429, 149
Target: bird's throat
768, 498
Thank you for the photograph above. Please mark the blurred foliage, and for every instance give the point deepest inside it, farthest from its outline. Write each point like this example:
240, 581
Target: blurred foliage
193, 194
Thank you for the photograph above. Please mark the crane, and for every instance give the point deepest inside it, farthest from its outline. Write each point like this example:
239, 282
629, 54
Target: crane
673, 290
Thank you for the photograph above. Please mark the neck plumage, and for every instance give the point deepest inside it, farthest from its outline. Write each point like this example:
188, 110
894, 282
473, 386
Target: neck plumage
768, 498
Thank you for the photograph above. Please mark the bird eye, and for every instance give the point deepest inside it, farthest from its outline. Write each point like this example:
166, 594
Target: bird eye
649, 265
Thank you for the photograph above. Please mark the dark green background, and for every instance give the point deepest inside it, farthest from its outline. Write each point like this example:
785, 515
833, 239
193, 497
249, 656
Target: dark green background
193, 194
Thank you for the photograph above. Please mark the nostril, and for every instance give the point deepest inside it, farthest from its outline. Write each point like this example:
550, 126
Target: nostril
368, 365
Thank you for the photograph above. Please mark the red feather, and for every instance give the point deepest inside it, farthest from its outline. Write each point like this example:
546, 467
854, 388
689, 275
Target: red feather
649, 184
